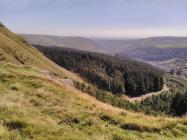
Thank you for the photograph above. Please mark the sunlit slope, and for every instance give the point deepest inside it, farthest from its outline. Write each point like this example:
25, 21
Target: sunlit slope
16, 50
34, 106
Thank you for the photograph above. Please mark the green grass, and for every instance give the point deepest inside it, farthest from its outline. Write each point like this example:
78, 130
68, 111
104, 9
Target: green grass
34, 107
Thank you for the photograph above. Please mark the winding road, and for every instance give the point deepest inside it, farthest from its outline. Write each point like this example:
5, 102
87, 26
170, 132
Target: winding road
140, 98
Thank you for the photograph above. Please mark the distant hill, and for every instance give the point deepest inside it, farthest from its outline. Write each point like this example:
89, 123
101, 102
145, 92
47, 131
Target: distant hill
149, 49
69, 42
171, 41
134, 47
120, 45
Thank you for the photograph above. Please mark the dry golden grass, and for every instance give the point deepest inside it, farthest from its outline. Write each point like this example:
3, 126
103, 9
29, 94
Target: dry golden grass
36, 106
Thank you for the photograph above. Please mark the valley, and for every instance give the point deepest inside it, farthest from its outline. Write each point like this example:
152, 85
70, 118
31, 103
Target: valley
93, 70
175, 66
166, 53
134, 94
44, 100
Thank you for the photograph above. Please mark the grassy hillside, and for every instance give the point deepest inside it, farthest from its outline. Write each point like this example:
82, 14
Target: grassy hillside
69, 42
37, 107
15, 49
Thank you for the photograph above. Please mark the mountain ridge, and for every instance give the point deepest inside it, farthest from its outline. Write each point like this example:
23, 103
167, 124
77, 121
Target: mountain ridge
75, 42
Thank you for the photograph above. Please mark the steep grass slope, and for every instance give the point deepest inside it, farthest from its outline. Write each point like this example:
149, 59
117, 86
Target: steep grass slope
36, 107
16, 50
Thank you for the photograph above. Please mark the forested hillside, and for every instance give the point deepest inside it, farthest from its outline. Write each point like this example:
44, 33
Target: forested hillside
107, 72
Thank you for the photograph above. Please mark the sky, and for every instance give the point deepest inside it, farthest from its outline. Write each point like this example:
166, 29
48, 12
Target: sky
96, 18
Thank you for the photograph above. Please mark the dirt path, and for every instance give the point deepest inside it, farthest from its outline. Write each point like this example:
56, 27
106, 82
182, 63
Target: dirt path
140, 98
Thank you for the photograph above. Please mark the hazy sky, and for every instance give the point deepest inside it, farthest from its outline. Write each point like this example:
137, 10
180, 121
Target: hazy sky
96, 18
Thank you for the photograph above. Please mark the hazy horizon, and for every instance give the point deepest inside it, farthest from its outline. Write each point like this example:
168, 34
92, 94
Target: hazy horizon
96, 18
105, 38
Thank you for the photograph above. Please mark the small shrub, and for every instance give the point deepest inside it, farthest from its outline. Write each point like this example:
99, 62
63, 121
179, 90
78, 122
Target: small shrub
117, 137
35, 84
69, 121
136, 127
14, 87
35, 102
108, 119
124, 114
12, 125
